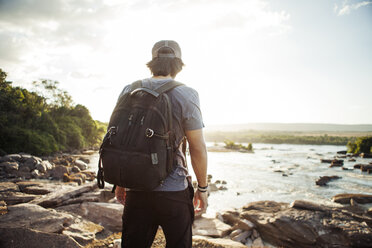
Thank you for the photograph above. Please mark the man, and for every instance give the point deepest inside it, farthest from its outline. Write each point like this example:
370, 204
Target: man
171, 205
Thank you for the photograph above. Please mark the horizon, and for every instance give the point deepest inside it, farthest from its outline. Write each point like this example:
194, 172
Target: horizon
262, 61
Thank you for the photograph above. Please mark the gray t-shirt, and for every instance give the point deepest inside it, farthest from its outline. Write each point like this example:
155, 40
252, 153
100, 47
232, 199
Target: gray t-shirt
186, 116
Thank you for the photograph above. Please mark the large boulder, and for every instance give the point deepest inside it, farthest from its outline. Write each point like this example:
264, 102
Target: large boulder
106, 214
37, 218
58, 171
286, 226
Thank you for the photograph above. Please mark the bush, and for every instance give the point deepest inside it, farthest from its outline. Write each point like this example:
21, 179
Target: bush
361, 145
32, 123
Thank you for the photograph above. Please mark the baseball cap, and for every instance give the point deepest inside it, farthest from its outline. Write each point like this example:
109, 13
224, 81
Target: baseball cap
166, 43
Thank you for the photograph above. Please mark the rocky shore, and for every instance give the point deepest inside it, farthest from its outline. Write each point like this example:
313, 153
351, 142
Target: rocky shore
54, 202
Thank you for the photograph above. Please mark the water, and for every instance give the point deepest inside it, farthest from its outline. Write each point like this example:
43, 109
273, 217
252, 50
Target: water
251, 177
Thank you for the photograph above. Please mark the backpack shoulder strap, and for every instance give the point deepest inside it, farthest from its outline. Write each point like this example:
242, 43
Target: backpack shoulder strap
168, 86
136, 85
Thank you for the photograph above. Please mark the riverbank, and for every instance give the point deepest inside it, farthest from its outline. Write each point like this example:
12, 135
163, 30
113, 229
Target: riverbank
47, 208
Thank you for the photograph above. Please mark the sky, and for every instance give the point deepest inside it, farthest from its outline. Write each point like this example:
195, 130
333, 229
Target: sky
250, 60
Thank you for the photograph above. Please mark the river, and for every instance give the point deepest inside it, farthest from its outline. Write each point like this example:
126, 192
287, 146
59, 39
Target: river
252, 177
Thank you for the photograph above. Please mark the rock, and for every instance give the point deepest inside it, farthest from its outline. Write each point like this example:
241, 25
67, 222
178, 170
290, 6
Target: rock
222, 188
352, 160
31, 162
242, 237
35, 173
203, 242
230, 217
3, 208
9, 167
369, 211
117, 243
283, 226
327, 161
23, 237
58, 197
8, 187
77, 179
235, 233
258, 243
359, 198
322, 181
41, 167
106, 214
75, 169
82, 165
307, 205
366, 167
11, 158
89, 175
366, 155
47, 164
38, 188
210, 227
342, 152
255, 234
223, 182
249, 242
358, 166
337, 163
82, 231
58, 171
245, 225
12, 198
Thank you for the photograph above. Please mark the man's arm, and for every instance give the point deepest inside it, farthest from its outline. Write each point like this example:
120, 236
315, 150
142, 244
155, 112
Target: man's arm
198, 153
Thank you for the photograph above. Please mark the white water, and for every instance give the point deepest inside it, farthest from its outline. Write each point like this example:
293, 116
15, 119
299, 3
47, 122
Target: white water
251, 177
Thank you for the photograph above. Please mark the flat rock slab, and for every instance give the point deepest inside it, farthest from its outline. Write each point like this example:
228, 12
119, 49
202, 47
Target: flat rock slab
210, 227
12, 198
37, 218
203, 242
106, 214
42, 187
57, 198
23, 237
359, 198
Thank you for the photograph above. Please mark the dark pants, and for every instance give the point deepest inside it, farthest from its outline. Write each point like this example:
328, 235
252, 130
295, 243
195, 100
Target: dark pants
145, 211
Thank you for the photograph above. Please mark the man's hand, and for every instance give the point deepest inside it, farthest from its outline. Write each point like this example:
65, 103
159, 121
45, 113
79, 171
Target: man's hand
200, 203
120, 194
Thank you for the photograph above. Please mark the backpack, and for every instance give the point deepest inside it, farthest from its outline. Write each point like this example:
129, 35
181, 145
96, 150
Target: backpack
137, 151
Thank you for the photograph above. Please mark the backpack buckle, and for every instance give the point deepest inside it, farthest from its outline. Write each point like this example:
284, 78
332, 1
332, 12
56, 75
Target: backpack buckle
149, 132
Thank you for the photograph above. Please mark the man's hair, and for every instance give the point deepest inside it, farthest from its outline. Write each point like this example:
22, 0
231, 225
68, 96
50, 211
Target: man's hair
164, 66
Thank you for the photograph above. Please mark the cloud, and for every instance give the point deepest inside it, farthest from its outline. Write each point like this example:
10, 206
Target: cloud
346, 8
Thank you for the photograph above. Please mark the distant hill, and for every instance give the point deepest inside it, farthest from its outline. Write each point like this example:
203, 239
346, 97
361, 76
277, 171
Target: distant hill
292, 127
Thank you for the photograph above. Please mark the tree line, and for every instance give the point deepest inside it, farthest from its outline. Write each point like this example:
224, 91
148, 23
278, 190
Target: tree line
44, 121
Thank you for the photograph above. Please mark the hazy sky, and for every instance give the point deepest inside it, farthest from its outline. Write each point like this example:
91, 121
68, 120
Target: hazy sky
250, 60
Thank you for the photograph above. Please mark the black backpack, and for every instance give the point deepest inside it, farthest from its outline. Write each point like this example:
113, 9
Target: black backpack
137, 151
